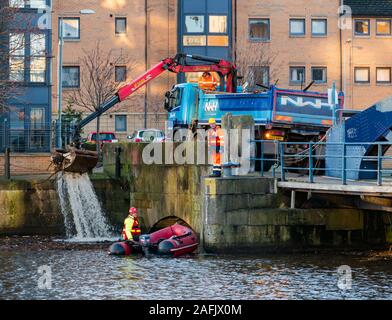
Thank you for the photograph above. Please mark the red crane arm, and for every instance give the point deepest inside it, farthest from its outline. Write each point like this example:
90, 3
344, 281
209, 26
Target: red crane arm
178, 65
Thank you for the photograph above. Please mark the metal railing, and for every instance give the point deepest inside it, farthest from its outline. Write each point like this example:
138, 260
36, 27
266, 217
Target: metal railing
26, 139
310, 162
264, 157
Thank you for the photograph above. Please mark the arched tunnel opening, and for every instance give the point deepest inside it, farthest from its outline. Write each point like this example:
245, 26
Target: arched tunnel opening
168, 221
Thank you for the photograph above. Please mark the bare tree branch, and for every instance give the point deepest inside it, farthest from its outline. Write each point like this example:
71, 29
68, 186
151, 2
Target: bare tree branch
97, 78
252, 55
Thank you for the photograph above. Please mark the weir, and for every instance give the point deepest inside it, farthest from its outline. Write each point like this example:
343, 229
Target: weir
84, 218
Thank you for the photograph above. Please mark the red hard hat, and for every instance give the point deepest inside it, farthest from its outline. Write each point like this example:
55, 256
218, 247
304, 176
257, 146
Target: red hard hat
132, 210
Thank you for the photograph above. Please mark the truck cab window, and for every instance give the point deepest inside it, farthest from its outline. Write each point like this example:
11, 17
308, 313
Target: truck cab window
173, 99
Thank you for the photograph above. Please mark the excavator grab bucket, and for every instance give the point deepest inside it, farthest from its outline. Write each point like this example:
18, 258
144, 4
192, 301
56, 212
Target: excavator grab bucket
74, 160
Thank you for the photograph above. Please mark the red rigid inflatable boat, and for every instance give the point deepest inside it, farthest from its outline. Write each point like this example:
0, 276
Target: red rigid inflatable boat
174, 241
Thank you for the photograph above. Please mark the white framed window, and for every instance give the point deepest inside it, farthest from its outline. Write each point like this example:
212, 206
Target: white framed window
383, 75
71, 28
319, 27
297, 27
362, 75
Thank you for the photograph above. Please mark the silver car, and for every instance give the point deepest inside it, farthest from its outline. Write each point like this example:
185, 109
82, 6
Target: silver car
147, 135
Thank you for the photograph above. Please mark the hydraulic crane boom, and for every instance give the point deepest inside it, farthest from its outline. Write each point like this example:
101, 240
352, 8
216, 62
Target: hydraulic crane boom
225, 69
75, 161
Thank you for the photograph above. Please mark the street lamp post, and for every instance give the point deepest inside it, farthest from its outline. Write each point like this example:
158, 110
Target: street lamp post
59, 139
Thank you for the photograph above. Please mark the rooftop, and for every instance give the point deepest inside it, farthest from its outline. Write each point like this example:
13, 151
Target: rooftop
378, 8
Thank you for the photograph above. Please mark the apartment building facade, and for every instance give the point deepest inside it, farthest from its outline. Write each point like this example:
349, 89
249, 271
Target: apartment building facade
272, 42
366, 51
346, 42
142, 32
145, 31
25, 119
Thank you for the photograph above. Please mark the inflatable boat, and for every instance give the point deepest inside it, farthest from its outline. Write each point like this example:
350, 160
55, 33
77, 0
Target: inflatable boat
175, 241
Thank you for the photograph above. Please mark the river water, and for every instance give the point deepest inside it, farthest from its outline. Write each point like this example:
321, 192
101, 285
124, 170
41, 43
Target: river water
72, 273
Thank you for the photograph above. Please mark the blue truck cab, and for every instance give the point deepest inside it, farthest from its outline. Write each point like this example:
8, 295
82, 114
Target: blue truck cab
291, 111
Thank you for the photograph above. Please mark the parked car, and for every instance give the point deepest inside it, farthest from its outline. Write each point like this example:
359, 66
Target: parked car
147, 135
90, 142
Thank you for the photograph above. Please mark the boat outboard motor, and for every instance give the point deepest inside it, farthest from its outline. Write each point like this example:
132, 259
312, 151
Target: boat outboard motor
144, 241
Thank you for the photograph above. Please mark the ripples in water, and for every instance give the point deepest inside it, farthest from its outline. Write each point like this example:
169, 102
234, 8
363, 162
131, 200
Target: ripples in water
94, 275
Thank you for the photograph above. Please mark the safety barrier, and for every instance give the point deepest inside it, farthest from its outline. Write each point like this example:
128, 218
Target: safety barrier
313, 160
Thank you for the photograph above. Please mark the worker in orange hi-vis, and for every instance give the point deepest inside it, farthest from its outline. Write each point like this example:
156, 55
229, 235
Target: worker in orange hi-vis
208, 82
215, 147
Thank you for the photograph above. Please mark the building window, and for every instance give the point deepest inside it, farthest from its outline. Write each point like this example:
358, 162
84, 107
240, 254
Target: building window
195, 41
71, 28
217, 24
121, 25
120, 73
297, 75
362, 27
194, 24
37, 134
383, 27
37, 4
17, 44
319, 27
258, 75
121, 123
297, 27
17, 3
319, 74
362, 75
383, 75
259, 29
71, 77
37, 57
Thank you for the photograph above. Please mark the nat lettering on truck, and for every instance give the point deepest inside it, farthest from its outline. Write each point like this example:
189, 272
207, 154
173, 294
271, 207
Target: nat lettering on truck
217, 105
302, 108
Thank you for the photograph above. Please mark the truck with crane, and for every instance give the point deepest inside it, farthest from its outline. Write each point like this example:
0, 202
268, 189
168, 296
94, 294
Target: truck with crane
279, 114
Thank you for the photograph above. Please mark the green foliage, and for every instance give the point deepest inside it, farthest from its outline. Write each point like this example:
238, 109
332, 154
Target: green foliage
70, 114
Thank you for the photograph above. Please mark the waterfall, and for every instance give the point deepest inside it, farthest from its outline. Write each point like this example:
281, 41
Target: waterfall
83, 216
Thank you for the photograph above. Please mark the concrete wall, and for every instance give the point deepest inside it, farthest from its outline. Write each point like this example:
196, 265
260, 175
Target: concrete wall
29, 207
32, 207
